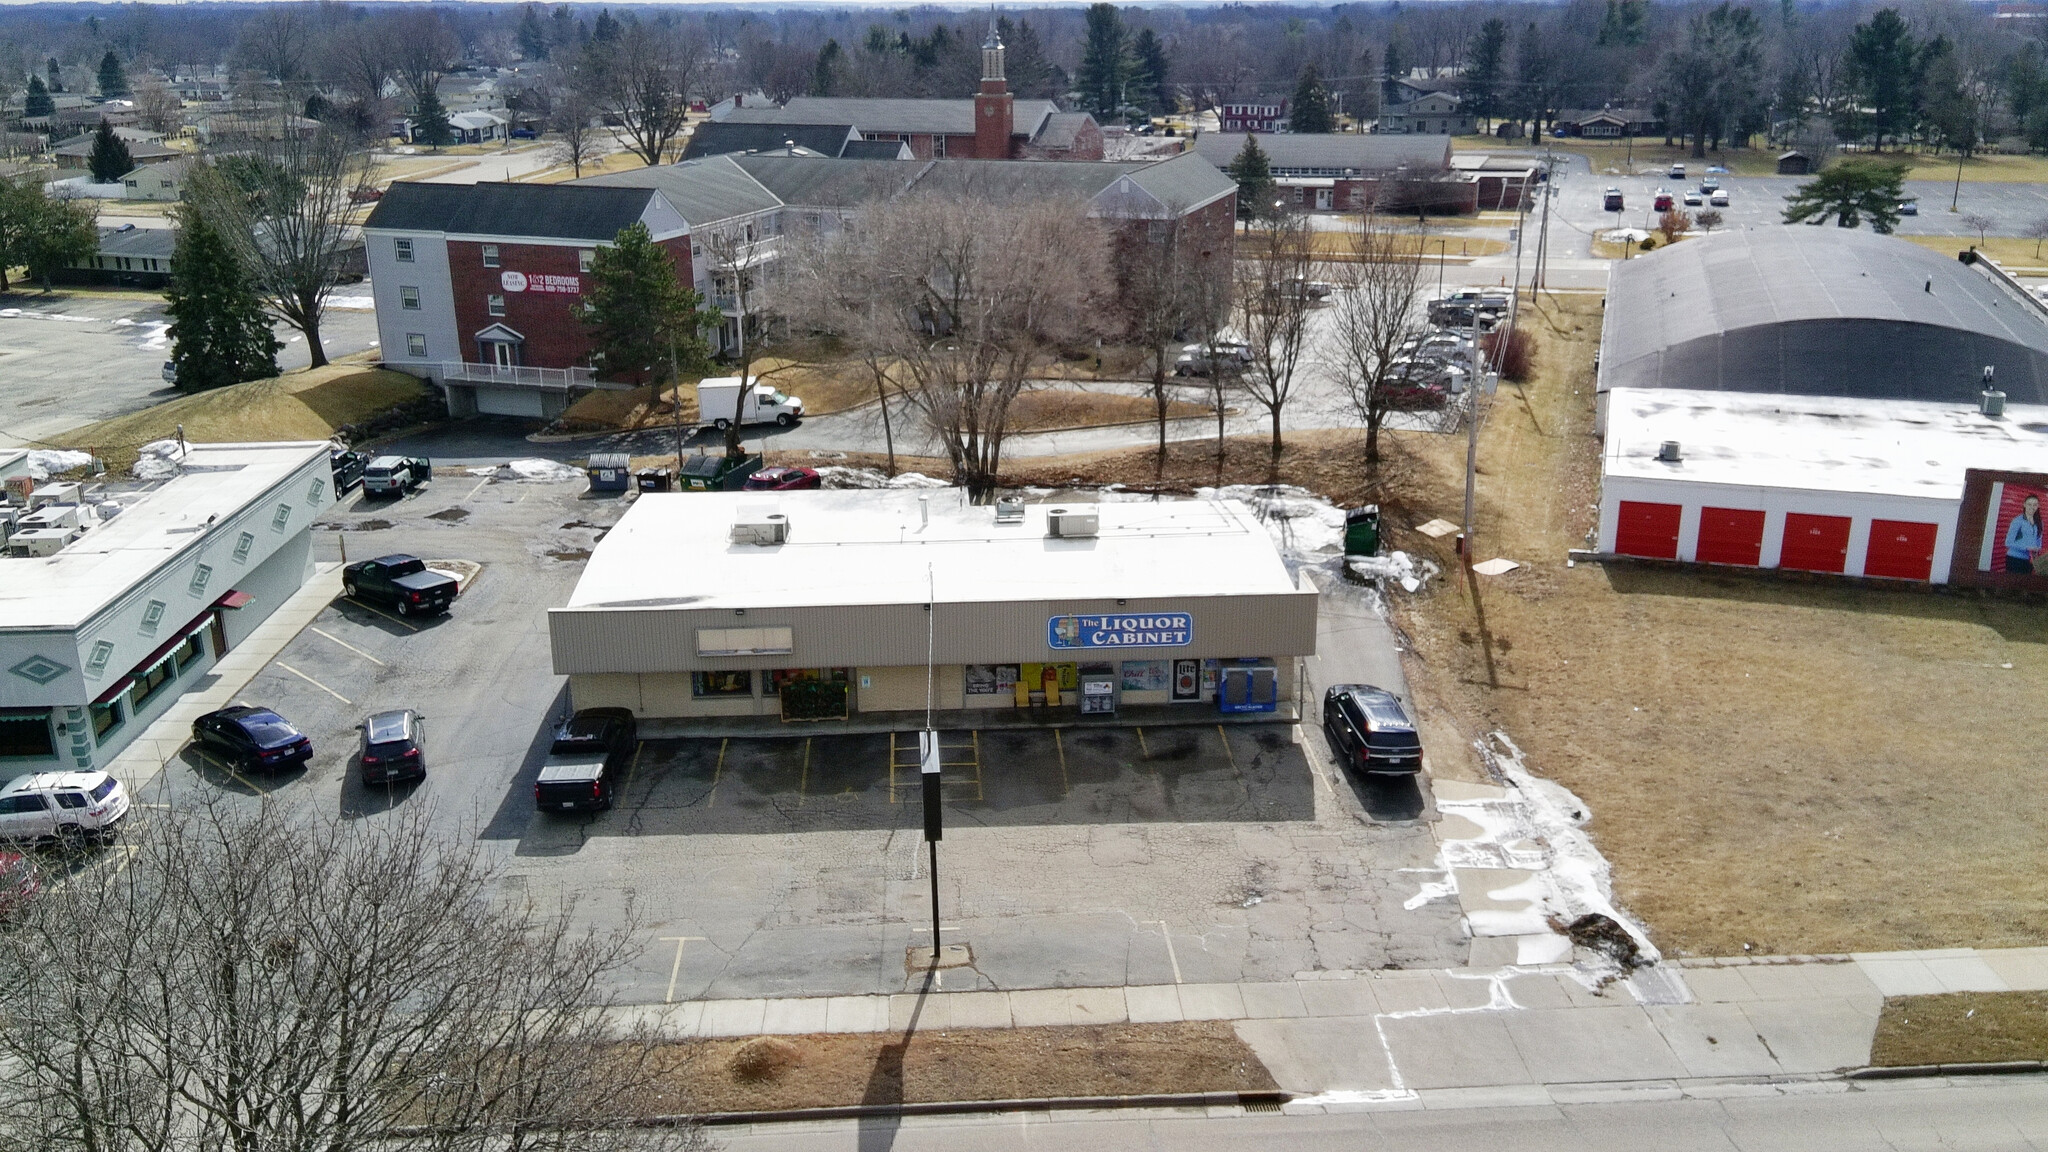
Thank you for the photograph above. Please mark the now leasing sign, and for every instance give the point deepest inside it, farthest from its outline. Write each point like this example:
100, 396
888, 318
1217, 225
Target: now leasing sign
1132, 630
521, 282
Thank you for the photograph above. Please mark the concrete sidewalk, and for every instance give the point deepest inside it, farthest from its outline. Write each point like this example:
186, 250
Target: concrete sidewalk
1465, 1036
143, 759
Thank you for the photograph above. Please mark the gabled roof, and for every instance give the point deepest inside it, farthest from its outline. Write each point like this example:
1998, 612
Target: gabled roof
912, 117
1187, 181
555, 211
1362, 151
130, 240
875, 150
704, 191
1062, 128
835, 184
138, 150
722, 137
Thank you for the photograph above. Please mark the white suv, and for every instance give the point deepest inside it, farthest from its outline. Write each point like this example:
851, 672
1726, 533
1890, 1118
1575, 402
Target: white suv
68, 807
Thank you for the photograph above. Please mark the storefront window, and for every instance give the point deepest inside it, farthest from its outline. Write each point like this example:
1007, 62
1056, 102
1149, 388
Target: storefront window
991, 679
188, 653
105, 718
713, 684
1145, 675
26, 732
148, 684
780, 676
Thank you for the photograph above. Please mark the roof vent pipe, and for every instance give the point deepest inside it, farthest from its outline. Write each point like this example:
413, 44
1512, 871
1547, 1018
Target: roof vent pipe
1668, 452
1992, 402
924, 511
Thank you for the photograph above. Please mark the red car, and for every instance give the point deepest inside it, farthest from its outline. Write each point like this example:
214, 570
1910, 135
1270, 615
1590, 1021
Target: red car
1662, 203
18, 883
782, 480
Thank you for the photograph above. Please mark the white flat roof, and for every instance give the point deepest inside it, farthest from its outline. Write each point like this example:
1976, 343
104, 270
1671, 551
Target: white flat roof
870, 547
154, 525
1819, 443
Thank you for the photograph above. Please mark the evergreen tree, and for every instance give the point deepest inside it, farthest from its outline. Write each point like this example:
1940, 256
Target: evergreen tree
56, 75
533, 39
1150, 69
110, 159
430, 122
1394, 68
219, 332
1883, 70
1485, 70
1851, 191
608, 29
1624, 23
825, 73
641, 317
1031, 75
39, 102
1103, 65
1254, 175
113, 81
1310, 109
42, 233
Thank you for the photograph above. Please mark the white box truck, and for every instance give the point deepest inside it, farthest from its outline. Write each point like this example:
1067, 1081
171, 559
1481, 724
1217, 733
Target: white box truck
720, 400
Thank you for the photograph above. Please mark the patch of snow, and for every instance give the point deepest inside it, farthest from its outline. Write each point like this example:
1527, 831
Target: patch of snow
156, 338
1408, 571
353, 303
1300, 522
42, 462
158, 460
840, 476
1631, 235
535, 470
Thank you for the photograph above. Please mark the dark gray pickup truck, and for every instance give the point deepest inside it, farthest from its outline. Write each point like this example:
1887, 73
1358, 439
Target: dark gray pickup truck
401, 581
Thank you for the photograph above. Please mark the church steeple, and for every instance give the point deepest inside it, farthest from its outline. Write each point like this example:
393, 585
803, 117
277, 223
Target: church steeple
994, 108
992, 51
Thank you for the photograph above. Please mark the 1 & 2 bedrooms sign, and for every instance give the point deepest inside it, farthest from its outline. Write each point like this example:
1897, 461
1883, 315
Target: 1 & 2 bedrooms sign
1122, 630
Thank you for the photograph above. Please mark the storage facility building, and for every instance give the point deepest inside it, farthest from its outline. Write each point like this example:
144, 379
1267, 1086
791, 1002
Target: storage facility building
1814, 399
714, 604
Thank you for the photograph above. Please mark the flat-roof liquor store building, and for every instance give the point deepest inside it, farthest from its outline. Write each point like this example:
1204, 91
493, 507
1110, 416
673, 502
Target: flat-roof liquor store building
714, 604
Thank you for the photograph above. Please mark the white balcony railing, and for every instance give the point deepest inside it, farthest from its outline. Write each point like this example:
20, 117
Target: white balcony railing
521, 376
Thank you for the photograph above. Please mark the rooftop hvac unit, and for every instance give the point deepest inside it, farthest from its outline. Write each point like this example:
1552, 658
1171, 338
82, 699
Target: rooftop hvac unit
38, 542
56, 516
760, 528
1010, 510
53, 494
1072, 522
1668, 452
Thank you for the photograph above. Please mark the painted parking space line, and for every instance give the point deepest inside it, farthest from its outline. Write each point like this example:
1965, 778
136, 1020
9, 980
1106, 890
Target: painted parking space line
717, 771
673, 969
349, 646
313, 682
473, 491
1059, 746
405, 624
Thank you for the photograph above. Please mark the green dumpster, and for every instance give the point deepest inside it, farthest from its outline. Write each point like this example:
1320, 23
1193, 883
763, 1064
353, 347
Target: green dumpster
1362, 531
716, 473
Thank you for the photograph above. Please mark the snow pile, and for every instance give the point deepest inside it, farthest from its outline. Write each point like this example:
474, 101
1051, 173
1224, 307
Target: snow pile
1625, 235
840, 476
535, 470
45, 462
158, 460
1410, 572
1300, 522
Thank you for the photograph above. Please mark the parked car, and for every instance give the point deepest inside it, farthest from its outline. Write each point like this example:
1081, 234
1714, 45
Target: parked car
589, 753
782, 480
251, 737
1708, 185
347, 467
525, 134
170, 372
18, 883
1611, 200
1678, 171
1719, 199
396, 475
404, 582
1692, 198
72, 808
366, 195
1370, 731
1663, 202
394, 747
1202, 359
1909, 207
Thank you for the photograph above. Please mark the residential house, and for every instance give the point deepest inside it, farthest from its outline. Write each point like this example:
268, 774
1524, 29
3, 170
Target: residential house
158, 182
479, 127
1606, 123
1432, 113
1255, 114
137, 257
75, 155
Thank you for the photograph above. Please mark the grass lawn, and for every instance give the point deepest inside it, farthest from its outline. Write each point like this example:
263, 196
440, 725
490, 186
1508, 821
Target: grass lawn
2010, 251
1961, 1028
307, 405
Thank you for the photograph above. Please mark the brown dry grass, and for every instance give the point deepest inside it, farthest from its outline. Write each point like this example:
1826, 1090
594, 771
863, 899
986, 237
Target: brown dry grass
1050, 409
836, 1070
2007, 250
306, 405
1961, 1028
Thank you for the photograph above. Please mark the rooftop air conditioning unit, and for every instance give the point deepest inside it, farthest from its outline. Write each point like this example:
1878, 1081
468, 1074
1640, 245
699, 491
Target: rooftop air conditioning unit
53, 494
1069, 523
1668, 452
58, 516
1010, 510
760, 528
38, 542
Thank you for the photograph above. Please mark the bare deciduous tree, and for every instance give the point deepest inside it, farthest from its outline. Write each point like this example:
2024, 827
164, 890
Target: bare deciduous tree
361, 57
643, 79
422, 50
1379, 289
253, 980
285, 204
158, 108
277, 43
741, 262
1273, 299
1166, 272
574, 120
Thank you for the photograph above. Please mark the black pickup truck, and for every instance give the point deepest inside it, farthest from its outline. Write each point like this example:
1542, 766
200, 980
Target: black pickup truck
402, 581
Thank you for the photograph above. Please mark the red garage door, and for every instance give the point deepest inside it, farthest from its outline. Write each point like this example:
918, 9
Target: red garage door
1900, 548
1731, 536
1647, 530
1815, 543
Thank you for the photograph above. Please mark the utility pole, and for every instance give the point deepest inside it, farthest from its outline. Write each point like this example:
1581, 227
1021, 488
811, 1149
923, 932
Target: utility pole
1477, 363
1543, 238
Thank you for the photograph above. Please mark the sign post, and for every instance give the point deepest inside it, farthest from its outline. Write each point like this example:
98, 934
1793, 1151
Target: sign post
928, 772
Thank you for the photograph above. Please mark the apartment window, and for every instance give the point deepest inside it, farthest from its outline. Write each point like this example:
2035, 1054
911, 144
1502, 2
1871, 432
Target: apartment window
490, 255
243, 543
200, 575
409, 297
283, 517
586, 259
495, 303
402, 248
416, 345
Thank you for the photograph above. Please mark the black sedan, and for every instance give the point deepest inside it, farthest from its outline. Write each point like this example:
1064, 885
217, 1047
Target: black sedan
250, 737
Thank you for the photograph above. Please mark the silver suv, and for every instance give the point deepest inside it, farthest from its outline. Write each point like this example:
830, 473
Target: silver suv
68, 807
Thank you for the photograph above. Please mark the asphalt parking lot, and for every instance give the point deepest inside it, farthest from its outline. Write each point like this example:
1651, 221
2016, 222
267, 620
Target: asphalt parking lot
795, 865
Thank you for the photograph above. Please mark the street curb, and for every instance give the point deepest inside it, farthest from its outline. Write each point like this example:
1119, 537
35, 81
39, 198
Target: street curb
1273, 1099
1911, 1071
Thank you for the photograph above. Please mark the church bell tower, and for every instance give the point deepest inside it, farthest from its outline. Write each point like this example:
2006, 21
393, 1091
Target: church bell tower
992, 105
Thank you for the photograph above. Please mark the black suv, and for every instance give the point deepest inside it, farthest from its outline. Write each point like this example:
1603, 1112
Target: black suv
393, 747
584, 763
251, 737
1370, 731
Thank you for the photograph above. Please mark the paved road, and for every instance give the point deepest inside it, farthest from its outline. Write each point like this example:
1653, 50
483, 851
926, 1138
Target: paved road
1996, 1114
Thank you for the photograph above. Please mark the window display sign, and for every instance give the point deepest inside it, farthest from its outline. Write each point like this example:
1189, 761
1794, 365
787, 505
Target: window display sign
1133, 630
1999, 541
1144, 675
